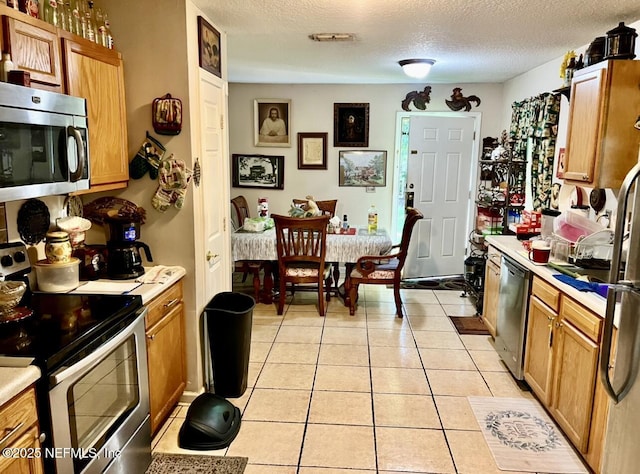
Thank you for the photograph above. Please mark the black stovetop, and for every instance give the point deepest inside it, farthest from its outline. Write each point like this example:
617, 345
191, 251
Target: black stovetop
64, 328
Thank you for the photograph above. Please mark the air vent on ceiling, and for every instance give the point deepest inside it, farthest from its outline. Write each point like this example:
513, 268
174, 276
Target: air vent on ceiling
332, 37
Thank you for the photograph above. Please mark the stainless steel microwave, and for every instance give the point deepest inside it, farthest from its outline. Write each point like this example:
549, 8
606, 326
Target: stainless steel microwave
43, 143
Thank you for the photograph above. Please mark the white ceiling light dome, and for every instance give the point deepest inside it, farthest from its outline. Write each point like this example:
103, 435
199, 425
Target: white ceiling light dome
416, 68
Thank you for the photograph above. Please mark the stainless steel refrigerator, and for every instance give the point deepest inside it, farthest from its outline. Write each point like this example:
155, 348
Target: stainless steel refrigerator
622, 449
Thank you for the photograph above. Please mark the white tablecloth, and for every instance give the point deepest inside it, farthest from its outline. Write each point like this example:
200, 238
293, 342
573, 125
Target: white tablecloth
340, 247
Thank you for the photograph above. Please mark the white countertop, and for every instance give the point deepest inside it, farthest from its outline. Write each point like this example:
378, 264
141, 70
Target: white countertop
14, 380
512, 247
148, 291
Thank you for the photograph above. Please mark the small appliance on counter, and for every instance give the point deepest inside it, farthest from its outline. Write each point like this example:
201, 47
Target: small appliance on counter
123, 249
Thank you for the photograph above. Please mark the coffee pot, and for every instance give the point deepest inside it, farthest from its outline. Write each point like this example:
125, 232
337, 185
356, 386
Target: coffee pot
123, 250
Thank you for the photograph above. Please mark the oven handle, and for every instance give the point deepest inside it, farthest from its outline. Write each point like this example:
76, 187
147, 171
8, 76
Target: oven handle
80, 366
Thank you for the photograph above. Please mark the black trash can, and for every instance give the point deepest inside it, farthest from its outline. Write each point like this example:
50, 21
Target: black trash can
229, 317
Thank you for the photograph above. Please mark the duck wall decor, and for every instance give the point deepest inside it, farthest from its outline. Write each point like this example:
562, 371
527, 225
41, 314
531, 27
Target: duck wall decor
459, 102
419, 99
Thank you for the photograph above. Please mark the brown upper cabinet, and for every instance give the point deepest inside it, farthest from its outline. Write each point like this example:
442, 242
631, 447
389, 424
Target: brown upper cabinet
34, 47
63, 62
602, 143
96, 74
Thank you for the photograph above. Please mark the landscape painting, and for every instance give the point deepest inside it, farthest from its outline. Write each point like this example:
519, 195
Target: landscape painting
363, 168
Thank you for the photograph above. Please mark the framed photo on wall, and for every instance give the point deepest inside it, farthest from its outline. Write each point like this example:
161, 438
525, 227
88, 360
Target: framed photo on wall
363, 168
209, 51
257, 171
272, 122
351, 125
312, 151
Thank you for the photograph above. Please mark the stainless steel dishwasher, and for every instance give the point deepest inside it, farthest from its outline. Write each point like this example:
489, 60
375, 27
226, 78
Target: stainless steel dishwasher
511, 327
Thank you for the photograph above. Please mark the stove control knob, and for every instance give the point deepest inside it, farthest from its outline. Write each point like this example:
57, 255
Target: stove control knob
6, 261
19, 256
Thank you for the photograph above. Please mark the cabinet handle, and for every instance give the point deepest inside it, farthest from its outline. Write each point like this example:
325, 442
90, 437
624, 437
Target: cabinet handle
42, 437
151, 337
171, 303
4, 441
585, 177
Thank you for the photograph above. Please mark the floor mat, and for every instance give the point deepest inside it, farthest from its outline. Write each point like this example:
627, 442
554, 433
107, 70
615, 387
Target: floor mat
196, 464
455, 282
522, 437
469, 325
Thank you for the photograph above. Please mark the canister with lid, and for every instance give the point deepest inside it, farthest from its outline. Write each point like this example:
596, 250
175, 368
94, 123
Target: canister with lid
58, 247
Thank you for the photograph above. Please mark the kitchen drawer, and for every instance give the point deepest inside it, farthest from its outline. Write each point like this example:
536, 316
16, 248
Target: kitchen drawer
163, 304
583, 319
546, 293
20, 412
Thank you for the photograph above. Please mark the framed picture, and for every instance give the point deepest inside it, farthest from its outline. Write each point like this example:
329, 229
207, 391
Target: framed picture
209, 47
257, 171
351, 125
364, 168
312, 151
272, 122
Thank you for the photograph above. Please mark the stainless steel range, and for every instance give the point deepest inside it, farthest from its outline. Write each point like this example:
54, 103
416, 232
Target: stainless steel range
93, 400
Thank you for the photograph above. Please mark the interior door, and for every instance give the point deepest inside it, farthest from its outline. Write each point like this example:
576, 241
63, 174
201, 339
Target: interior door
214, 188
439, 174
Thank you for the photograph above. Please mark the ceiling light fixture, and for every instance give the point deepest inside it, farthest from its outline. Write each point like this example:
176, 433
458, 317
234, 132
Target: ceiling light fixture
332, 37
416, 68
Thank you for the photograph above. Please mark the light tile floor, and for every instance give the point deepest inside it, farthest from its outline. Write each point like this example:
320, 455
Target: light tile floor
365, 393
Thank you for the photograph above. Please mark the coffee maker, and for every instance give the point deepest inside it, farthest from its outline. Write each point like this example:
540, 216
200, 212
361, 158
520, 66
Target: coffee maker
123, 250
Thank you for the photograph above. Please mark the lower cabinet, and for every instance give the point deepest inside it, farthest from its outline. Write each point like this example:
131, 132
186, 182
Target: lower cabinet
491, 291
561, 366
165, 353
19, 430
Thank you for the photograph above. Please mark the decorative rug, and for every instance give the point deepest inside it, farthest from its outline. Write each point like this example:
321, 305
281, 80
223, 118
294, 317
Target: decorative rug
455, 282
469, 325
195, 464
522, 437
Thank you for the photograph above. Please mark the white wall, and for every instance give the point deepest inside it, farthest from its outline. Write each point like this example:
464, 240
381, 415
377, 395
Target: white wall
312, 111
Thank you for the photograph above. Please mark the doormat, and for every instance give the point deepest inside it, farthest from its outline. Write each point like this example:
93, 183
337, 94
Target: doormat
469, 325
195, 464
455, 282
522, 437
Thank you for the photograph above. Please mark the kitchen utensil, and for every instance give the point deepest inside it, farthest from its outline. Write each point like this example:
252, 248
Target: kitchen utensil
33, 221
58, 277
597, 199
11, 293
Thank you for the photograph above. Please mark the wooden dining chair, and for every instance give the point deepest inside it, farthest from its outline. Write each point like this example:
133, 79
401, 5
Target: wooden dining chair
241, 209
301, 248
385, 269
327, 207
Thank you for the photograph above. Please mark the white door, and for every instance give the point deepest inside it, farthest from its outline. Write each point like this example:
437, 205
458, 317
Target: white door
214, 188
439, 171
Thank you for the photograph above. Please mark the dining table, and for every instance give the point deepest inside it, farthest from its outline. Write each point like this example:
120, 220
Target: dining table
343, 247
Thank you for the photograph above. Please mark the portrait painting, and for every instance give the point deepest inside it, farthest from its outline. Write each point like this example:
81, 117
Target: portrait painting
209, 47
351, 125
364, 168
257, 171
272, 122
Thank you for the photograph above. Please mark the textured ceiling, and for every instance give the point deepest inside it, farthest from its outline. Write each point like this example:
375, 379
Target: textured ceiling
471, 40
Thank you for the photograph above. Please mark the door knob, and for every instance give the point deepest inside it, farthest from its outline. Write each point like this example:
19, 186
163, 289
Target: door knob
211, 256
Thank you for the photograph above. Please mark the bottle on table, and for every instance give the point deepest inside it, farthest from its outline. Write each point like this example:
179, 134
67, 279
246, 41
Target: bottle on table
372, 220
345, 223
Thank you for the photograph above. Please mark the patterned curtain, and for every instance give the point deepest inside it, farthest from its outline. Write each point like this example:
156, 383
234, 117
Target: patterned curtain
536, 118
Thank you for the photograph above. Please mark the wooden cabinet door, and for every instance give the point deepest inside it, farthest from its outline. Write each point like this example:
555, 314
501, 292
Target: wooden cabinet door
35, 50
585, 122
166, 358
575, 359
491, 296
96, 73
24, 464
538, 361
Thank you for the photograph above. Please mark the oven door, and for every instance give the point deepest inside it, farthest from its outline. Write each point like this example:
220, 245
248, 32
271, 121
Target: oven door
100, 407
